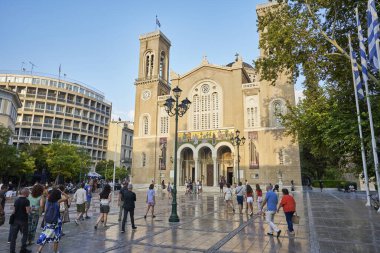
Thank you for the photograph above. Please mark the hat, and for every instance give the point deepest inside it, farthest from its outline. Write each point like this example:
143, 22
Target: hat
130, 186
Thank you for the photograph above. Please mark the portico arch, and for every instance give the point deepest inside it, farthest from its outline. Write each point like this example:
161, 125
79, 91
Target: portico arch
225, 162
186, 162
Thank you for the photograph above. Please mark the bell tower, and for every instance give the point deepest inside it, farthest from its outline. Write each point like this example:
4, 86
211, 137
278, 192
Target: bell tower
152, 82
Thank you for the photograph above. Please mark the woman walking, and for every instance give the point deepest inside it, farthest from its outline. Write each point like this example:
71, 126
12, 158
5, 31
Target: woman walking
36, 202
259, 198
150, 200
170, 190
288, 204
249, 197
53, 227
105, 199
228, 197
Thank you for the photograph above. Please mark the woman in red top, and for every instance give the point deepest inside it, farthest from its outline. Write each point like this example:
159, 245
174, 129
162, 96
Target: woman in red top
259, 195
289, 205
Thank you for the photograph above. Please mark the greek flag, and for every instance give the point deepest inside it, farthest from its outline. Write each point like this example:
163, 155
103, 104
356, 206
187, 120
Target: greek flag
373, 33
158, 22
355, 72
363, 55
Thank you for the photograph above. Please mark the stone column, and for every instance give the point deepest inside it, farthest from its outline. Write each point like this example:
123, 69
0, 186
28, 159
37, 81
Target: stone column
196, 160
215, 171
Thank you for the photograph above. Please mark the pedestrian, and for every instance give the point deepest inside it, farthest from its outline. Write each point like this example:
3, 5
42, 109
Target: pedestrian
88, 189
120, 201
80, 200
19, 221
3, 197
163, 186
44, 199
321, 185
259, 198
105, 199
52, 230
288, 204
200, 187
221, 184
64, 206
170, 190
228, 197
271, 200
129, 207
150, 200
36, 203
249, 197
197, 187
292, 185
240, 191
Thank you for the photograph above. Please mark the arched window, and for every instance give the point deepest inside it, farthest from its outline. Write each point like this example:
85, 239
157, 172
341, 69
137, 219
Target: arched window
149, 60
206, 107
162, 65
164, 121
252, 117
277, 110
145, 125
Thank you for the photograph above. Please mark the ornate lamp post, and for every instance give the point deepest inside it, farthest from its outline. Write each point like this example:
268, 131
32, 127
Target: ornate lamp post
237, 141
173, 108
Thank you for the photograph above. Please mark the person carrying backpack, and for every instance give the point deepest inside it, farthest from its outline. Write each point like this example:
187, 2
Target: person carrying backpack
52, 230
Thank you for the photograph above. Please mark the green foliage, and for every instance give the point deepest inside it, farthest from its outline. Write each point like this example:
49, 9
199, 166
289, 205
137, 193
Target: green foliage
66, 159
105, 168
309, 38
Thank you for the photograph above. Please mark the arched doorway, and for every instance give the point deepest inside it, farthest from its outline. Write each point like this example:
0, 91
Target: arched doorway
206, 166
225, 164
187, 165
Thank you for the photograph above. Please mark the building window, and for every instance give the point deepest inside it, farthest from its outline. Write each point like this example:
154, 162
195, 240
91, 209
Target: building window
145, 124
277, 110
143, 159
162, 65
164, 121
206, 107
130, 141
149, 60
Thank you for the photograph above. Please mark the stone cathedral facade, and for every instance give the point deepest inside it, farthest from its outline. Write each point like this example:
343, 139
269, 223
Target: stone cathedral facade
225, 98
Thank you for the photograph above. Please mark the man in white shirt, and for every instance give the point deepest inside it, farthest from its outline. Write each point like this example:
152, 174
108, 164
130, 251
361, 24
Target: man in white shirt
80, 200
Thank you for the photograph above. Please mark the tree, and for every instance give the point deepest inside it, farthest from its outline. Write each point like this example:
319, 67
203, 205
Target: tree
66, 160
8, 153
104, 168
309, 38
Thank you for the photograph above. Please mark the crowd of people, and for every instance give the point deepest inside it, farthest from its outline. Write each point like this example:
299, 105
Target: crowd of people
53, 203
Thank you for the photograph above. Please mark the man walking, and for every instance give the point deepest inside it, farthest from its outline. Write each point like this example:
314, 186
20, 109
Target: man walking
88, 189
80, 200
20, 221
271, 200
129, 206
121, 200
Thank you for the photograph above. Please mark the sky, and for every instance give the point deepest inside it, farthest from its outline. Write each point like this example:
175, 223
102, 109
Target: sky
97, 42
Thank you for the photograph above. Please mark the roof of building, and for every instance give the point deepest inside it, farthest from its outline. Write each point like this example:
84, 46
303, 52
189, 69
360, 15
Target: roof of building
246, 65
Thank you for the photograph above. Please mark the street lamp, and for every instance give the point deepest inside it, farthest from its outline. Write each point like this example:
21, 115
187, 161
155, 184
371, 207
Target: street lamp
173, 108
114, 161
237, 141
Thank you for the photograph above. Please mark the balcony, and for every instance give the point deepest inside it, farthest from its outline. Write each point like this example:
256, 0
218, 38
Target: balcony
35, 138
68, 127
28, 109
48, 125
70, 101
61, 99
42, 96
51, 98
57, 126
46, 138
30, 95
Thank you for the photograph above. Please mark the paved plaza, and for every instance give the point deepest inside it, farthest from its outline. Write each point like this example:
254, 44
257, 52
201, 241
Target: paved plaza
339, 222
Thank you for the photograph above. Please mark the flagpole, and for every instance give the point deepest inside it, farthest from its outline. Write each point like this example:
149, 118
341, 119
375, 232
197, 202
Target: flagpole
373, 140
360, 127
363, 60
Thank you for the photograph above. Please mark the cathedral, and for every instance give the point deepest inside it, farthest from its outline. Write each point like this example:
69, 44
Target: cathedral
224, 99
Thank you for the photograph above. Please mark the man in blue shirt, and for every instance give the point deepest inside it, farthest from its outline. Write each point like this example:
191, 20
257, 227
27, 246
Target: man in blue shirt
271, 200
88, 189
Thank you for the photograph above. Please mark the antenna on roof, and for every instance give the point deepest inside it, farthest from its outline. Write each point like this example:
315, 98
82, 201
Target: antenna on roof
33, 65
22, 66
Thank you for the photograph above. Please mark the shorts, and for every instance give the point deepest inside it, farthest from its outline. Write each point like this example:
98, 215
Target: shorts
151, 203
259, 199
249, 199
240, 200
88, 204
81, 208
104, 208
228, 197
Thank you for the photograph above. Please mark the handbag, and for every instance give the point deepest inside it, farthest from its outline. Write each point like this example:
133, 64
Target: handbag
12, 219
295, 218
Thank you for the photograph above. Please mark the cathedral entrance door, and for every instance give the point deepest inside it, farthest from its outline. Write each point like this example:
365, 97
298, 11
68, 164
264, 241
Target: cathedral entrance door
193, 173
210, 175
230, 175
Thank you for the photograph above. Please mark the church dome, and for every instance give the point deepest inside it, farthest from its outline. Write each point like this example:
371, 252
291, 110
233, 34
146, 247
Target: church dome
245, 65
